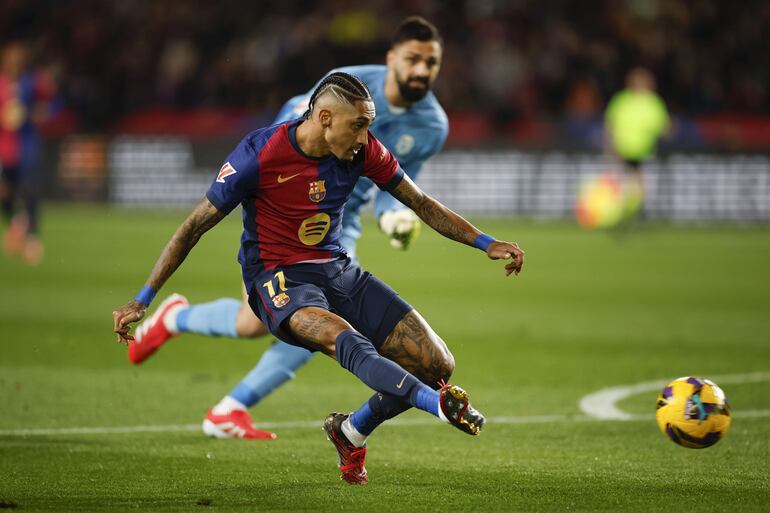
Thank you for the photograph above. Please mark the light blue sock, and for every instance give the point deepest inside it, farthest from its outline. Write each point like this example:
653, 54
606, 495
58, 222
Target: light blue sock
277, 366
215, 319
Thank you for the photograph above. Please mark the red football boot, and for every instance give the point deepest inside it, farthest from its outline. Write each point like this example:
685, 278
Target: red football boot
351, 458
152, 333
236, 424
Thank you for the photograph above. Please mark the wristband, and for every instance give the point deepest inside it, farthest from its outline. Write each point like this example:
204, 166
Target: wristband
483, 241
146, 295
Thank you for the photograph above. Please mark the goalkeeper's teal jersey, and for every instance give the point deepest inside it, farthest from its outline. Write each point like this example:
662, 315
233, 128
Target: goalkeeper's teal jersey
412, 135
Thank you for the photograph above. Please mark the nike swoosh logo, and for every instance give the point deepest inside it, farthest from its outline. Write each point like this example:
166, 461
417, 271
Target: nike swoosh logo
402, 382
282, 179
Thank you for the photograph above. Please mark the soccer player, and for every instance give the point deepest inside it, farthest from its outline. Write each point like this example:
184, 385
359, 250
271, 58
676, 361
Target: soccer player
24, 101
635, 119
292, 180
413, 126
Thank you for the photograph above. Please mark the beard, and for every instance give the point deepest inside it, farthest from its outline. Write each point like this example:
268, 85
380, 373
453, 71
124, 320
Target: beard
413, 94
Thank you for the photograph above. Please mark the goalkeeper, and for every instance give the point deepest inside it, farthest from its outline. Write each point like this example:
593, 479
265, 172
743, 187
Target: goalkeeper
413, 126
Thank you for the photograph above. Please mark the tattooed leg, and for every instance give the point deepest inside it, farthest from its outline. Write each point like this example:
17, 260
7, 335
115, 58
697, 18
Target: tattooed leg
324, 331
417, 348
317, 328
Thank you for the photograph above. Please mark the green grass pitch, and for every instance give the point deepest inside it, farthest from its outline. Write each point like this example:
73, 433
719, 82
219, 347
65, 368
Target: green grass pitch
589, 311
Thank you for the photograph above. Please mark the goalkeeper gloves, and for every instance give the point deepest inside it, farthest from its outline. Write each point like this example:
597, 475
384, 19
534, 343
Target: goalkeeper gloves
401, 226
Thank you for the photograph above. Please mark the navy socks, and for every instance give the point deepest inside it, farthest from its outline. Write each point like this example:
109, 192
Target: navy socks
399, 390
357, 354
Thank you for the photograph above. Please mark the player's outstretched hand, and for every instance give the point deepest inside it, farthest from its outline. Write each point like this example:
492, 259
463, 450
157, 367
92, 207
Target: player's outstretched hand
130, 312
507, 250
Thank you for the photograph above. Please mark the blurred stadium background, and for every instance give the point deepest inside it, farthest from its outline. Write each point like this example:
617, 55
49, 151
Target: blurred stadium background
177, 83
151, 95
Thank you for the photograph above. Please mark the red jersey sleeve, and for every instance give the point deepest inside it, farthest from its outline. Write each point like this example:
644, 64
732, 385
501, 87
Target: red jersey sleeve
381, 166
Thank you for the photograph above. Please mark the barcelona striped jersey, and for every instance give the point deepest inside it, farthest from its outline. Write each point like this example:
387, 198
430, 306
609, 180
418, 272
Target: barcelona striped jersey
292, 203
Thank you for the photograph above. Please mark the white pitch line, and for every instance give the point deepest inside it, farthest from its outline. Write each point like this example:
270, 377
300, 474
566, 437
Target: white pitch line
101, 430
297, 424
315, 424
602, 404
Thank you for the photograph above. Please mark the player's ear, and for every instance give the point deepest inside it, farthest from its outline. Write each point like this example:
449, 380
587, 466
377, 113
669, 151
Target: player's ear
389, 58
325, 117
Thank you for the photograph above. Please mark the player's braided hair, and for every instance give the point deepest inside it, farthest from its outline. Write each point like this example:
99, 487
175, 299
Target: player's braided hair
344, 86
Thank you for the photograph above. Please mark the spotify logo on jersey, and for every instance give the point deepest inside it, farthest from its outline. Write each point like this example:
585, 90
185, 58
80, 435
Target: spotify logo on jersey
314, 229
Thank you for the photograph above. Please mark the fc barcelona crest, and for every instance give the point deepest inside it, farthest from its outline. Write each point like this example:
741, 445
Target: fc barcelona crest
281, 300
317, 191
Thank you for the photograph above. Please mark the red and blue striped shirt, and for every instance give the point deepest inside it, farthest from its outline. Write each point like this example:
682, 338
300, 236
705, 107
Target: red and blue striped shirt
292, 203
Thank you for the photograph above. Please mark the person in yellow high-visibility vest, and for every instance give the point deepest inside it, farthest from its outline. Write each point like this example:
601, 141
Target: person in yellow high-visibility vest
635, 119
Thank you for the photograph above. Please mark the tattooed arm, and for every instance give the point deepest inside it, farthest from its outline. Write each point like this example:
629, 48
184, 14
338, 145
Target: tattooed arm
435, 215
204, 217
453, 226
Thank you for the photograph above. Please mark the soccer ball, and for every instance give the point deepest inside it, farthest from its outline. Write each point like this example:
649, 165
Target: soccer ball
600, 201
693, 412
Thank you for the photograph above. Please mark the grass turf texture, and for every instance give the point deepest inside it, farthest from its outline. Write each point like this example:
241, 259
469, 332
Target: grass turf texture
588, 312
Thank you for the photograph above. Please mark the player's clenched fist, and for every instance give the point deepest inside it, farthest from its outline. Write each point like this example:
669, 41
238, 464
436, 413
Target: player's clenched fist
505, 250
125, 315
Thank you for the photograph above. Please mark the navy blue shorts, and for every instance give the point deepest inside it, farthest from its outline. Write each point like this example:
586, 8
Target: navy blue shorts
340, 286
19, 175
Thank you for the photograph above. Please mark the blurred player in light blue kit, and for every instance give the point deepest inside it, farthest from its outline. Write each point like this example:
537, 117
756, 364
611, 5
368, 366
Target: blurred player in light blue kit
413, 126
